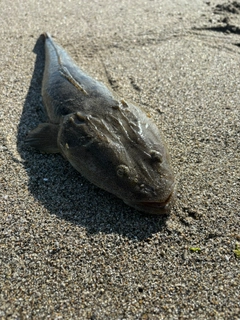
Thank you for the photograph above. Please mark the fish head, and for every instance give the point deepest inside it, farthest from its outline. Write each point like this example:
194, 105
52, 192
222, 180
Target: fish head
122, 152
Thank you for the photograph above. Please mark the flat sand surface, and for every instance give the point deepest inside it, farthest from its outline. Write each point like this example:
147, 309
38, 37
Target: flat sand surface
69, 250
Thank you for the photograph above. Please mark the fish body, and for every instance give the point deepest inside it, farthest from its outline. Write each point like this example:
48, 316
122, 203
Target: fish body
111, 142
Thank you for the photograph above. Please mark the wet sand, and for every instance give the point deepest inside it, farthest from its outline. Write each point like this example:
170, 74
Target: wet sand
72, 251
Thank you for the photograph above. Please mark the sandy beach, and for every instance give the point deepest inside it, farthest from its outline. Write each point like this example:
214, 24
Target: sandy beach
69, 250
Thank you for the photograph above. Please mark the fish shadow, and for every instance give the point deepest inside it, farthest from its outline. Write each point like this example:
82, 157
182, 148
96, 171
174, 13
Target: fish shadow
62, 190
228, 28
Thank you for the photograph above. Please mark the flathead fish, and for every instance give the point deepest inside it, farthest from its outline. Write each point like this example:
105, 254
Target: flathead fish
110, 141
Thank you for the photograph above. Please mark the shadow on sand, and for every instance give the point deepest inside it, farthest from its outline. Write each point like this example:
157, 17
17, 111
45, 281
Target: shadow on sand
62, 190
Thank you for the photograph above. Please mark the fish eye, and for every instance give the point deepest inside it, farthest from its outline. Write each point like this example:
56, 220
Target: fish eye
78, 118
122, 170
156, 156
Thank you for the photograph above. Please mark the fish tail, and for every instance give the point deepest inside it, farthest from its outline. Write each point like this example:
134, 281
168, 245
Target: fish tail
46, 35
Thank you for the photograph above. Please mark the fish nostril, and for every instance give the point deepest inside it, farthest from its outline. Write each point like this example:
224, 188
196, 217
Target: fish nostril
144, 189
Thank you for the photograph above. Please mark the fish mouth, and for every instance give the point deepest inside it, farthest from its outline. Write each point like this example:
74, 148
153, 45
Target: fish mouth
156, 205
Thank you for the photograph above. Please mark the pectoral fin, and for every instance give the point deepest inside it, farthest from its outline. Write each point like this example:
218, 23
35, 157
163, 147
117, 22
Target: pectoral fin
44, 138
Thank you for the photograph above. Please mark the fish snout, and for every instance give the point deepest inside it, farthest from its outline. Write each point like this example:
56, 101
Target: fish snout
161, 204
